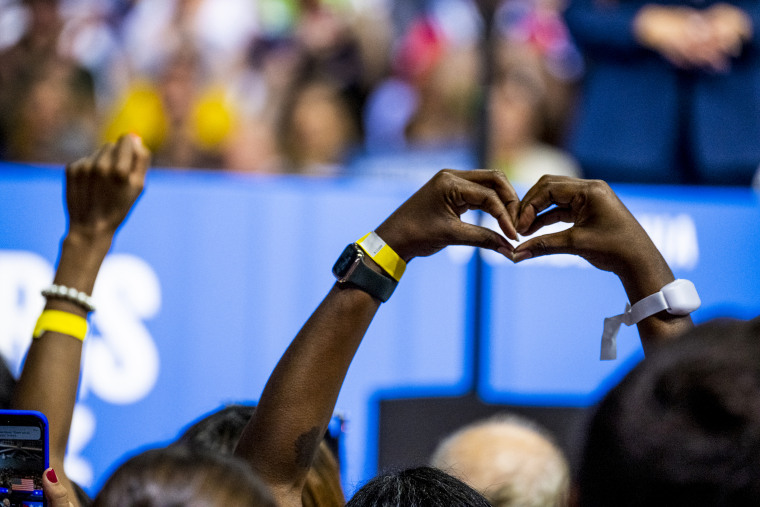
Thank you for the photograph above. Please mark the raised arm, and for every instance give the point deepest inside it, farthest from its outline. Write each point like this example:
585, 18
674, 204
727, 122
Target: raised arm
100, 191
607, 235
299, 398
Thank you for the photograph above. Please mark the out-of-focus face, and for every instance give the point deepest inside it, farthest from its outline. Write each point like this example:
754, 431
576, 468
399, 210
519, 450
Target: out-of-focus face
44, 14
178, 88
321, 127
513, 114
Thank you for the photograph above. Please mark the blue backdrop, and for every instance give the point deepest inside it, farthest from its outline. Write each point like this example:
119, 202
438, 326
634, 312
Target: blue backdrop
214, 273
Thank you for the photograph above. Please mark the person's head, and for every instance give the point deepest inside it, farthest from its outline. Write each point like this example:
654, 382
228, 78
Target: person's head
518, 103
220, 431
44, 17
417, 487
509, 459
317, 128
683, 427
179, 476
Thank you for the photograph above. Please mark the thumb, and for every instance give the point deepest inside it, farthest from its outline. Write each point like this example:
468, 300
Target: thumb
483, 237
55, 492
556, 243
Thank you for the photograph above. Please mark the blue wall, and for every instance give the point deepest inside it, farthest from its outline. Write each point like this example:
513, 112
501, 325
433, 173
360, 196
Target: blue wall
214, 273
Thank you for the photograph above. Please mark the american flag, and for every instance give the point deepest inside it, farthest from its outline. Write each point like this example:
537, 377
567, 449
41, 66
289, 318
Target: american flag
22, 484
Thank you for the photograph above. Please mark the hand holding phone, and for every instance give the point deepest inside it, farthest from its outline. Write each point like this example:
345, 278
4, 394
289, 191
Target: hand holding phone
23, 457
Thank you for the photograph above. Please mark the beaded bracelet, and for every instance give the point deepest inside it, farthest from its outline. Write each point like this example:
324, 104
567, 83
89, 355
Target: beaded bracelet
70, 294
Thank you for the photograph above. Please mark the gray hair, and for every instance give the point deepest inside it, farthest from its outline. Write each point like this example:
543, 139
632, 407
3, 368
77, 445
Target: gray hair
513, 461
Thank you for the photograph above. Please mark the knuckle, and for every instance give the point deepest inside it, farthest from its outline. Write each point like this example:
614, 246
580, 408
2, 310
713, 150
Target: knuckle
540, 247
74, 167
490, 198
102, 166
122, 169
444, 177
545, 179
86, 166
599, 188
498, 175
445, 174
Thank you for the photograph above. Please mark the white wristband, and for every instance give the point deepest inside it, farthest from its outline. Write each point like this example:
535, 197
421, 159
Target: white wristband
677, 298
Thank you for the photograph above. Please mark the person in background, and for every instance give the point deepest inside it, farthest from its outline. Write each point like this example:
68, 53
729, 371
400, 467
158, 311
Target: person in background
293, 412
317, 129
670, 93
683, 427
100, 192
46, 98
183, 118
219, 432
509, 459
172, 476
179, 476
517, 117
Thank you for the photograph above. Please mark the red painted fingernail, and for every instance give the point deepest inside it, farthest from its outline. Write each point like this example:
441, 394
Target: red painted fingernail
50, 474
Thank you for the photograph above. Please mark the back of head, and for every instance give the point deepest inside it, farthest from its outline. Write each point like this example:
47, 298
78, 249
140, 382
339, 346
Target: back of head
417, 487
683, 428
177, 476
510, 460
219, 432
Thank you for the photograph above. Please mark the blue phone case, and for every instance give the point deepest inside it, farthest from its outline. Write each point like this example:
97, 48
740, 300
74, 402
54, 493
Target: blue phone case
21, 489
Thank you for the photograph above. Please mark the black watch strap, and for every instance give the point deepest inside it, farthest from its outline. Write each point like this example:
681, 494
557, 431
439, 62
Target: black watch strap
350, 268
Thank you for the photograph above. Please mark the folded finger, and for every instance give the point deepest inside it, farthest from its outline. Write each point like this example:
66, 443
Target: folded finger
548, 244
551, 217
77, 181
142, 155
550, 190
75, 169
501, 185
477, 196
124, 156
475, 235
104, 159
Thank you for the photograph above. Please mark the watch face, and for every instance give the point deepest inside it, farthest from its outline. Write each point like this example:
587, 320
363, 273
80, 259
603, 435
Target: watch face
345, 261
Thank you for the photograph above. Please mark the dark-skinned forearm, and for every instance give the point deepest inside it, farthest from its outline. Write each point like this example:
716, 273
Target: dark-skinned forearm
646, 276
298, 400
50, 377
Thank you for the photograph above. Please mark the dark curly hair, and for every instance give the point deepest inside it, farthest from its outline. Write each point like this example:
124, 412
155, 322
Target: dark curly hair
417, 487
683, 427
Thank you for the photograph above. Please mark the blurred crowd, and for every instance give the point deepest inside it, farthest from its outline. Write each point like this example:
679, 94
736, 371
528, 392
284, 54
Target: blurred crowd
273, 86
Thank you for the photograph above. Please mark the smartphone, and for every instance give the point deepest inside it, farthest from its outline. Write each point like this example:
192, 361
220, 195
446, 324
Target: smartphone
23, 458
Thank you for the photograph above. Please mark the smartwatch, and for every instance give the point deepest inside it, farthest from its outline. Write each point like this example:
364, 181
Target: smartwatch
350, 268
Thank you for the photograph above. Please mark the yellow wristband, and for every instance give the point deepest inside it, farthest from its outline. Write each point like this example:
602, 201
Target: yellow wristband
61, 322
374, 246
